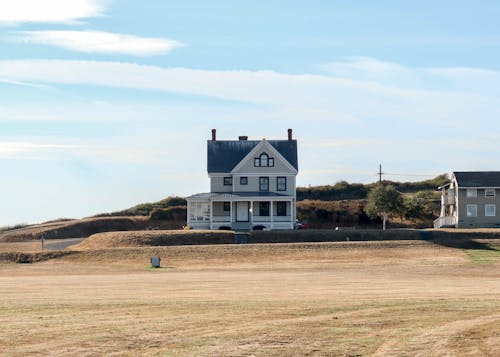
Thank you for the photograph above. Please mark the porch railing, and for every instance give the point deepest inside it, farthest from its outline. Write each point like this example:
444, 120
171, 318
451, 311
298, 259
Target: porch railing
449, 221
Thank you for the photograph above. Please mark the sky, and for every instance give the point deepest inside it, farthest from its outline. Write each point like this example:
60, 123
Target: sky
105, 104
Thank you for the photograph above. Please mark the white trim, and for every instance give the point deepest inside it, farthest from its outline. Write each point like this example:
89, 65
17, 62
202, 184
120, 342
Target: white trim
263, 143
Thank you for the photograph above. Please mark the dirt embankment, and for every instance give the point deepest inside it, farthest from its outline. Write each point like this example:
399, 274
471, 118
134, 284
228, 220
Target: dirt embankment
75, 228
194, 237
154, 238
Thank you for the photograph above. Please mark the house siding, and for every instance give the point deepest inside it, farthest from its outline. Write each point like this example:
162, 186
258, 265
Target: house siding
481, 220
217, 184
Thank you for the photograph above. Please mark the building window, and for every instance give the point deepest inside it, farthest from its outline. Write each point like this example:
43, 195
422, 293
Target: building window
199, 211
263, 161
471, 192
281, 208
244, 180
281, 183
489, 192
263, 208
471, 210
264, 184
490, 210
227, 206
228, 181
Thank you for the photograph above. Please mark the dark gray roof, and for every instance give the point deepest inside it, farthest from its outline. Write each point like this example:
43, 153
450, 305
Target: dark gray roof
224, 155
478, 178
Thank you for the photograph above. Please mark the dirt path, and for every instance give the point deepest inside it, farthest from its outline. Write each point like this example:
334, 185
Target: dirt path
60, 244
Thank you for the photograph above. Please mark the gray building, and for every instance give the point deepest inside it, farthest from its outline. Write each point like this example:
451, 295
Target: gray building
470, 200
252, 182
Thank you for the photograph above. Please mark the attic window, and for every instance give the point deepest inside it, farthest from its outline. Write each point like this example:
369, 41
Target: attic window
263, 161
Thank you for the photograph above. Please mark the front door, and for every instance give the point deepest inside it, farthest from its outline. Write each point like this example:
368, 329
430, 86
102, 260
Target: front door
241, 211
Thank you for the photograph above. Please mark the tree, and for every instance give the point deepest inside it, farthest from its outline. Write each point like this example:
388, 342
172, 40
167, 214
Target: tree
383, 201
420, 205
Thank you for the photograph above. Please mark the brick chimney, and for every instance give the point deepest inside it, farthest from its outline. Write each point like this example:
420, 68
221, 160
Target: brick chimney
243, 137
214, 134
289, 134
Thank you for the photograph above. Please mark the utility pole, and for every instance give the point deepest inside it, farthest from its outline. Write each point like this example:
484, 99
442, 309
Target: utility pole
380, 173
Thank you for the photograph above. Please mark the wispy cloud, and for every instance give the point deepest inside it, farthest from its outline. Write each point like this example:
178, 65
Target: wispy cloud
24, 84
19, 149
99, 42
354, 100
49, 11
371, 69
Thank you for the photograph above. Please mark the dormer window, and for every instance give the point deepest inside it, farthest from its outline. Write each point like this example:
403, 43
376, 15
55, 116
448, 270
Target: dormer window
263, 161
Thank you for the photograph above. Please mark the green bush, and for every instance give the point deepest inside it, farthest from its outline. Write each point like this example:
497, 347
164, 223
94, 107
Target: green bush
176, 213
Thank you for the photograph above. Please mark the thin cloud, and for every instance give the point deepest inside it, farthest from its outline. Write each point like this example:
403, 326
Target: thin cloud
17, 149
24, 84
99, 42
49, 11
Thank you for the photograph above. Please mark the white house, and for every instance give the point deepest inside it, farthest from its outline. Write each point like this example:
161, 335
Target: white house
252, 183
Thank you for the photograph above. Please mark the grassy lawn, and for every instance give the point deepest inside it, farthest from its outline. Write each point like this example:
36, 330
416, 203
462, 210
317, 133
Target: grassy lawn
484, 256
262, 300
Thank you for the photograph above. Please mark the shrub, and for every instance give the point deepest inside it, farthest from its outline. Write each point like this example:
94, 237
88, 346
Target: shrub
176, 213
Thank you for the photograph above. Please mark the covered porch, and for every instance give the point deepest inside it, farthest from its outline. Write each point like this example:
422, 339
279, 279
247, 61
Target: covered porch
242, 211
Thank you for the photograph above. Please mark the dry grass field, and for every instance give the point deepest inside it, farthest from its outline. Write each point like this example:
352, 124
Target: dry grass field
311, 299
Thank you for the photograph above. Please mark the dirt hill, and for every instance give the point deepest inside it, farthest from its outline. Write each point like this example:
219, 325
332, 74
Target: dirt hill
85, 227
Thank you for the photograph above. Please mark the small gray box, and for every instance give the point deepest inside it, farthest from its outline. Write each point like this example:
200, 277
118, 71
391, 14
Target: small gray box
155, 262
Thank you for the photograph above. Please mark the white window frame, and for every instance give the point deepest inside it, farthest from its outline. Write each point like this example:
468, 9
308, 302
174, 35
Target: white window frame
471, 192
469, 212
494, 206
491, 189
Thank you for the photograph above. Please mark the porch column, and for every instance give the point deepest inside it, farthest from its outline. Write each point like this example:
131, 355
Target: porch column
231, 214
292, 215
211, 207
272, 214
251, 214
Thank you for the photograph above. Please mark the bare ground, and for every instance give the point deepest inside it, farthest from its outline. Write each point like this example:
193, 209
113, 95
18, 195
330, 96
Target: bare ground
316, 299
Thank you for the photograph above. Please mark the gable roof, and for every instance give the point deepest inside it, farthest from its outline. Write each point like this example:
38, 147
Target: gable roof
477, 178
224, 155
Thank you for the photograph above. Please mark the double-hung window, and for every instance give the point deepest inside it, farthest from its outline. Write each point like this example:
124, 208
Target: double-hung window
471, 210
490, 210
471, 192
281, 183
264, 184
489, 192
